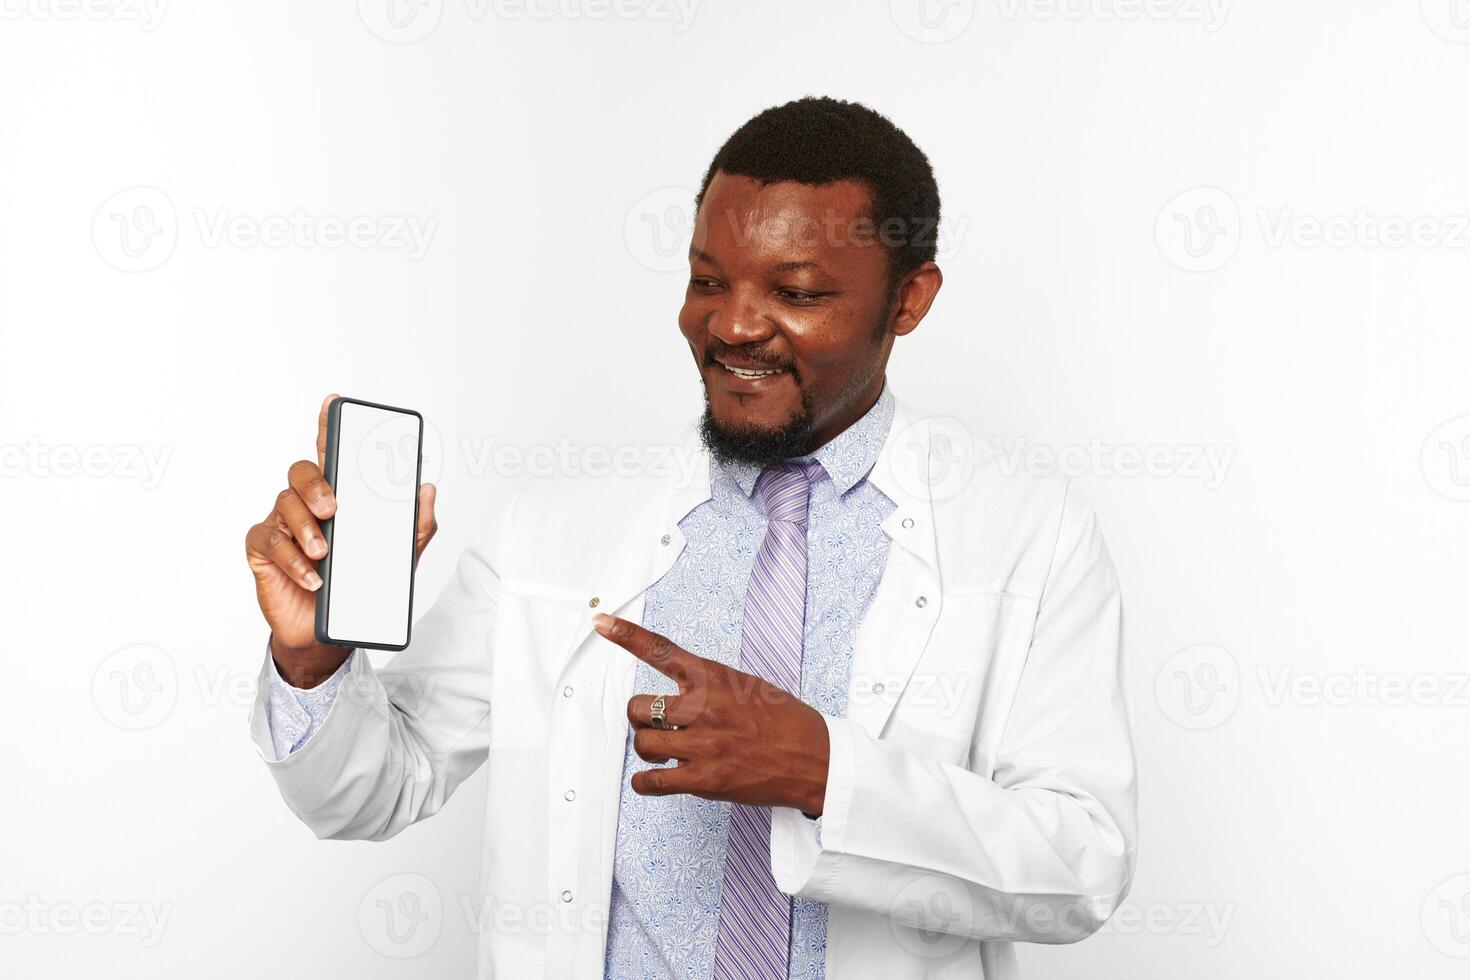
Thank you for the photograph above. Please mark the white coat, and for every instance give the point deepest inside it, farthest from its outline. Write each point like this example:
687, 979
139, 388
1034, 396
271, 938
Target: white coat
981, 787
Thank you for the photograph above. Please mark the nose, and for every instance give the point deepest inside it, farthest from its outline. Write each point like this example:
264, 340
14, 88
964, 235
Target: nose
739, 320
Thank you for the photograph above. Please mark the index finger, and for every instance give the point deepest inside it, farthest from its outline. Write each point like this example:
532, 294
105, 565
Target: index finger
659, 652
321, 430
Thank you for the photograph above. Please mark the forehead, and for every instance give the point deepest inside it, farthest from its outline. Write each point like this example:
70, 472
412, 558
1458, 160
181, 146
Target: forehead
743, 221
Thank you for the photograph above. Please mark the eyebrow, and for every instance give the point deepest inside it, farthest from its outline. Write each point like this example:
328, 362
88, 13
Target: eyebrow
793, 266
703, 256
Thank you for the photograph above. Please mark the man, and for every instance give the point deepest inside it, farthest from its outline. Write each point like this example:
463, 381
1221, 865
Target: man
818, 708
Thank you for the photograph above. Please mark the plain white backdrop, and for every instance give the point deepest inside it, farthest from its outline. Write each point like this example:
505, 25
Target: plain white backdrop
1213, 257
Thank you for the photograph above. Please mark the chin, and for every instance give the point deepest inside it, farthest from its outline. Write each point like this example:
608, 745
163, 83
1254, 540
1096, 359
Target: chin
740, 419
751, 437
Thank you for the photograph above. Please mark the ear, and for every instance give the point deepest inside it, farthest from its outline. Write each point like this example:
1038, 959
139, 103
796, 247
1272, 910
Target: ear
914, 296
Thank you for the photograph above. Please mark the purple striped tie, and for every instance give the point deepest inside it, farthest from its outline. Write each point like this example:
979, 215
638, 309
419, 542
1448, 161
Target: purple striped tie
755, 915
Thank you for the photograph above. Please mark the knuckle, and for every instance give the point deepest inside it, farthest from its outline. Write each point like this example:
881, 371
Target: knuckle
275, 539
285, 498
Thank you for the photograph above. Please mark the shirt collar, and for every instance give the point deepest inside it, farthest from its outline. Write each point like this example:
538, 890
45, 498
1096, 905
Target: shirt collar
847, 457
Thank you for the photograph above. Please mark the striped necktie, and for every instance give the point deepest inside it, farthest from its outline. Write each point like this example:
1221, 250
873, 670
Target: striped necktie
755, 916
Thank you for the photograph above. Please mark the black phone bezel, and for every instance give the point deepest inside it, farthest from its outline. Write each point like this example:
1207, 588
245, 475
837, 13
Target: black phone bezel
324, 565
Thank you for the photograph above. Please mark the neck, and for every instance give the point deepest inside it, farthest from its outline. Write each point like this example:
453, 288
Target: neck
826, 431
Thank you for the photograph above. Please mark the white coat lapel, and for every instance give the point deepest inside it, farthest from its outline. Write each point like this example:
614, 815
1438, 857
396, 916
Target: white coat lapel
907, 604
897, 625
648, 548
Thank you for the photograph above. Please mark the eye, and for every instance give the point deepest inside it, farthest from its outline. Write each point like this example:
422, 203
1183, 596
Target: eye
799, 297
703, 284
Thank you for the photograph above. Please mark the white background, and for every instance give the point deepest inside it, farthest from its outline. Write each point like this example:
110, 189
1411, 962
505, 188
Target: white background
1283, 834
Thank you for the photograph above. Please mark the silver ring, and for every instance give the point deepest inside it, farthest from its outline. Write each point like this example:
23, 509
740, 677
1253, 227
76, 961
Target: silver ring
656, 713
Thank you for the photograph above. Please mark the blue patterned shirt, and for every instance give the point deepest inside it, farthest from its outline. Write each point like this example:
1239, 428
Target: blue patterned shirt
670, 857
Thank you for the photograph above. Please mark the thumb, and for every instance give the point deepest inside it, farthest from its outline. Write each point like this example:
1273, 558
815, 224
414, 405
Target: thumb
428, 524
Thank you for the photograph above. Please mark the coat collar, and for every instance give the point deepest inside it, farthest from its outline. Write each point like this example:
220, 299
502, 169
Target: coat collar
900, 469
894, 632
847, 458
653, 539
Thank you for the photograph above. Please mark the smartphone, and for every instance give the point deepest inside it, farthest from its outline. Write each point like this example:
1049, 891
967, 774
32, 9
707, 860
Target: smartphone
373, 463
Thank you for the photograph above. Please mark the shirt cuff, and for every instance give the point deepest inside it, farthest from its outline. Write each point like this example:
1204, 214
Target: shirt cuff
294, 714
806, 853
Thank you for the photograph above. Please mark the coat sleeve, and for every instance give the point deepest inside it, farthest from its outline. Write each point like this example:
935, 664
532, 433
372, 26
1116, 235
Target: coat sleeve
399, 739
1043, 849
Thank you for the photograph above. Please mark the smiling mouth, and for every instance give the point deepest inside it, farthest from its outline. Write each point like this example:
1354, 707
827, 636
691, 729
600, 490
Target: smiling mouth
749, 374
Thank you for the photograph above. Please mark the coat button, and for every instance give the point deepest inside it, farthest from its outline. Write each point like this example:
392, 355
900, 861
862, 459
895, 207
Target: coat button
566, 692
664, 540
569, 795
921, 601
878, 688
592, 602
566, 896
907, 522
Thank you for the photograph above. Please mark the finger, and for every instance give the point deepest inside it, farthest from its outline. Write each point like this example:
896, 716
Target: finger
292, 511
428, 524
659, 747
321, 430
305, 477
272, 541
659, 652
683, 710
666, 782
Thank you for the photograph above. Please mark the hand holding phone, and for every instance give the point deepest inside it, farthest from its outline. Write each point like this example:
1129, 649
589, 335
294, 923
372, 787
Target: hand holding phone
282, 552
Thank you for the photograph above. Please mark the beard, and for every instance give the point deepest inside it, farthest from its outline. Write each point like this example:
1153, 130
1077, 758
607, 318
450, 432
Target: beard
765, 447
756, 445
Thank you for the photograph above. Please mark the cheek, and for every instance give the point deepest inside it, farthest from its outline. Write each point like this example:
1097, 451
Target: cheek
839, 337
691, 320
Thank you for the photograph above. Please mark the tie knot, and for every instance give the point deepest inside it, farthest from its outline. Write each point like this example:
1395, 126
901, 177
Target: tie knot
786, 489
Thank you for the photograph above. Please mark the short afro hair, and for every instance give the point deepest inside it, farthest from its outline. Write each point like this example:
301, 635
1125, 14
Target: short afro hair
819, 140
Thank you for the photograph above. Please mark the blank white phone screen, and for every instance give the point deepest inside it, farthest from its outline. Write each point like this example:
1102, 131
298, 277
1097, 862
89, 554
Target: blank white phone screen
372, 532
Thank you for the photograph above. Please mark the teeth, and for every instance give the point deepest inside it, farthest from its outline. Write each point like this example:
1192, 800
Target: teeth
747, 373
